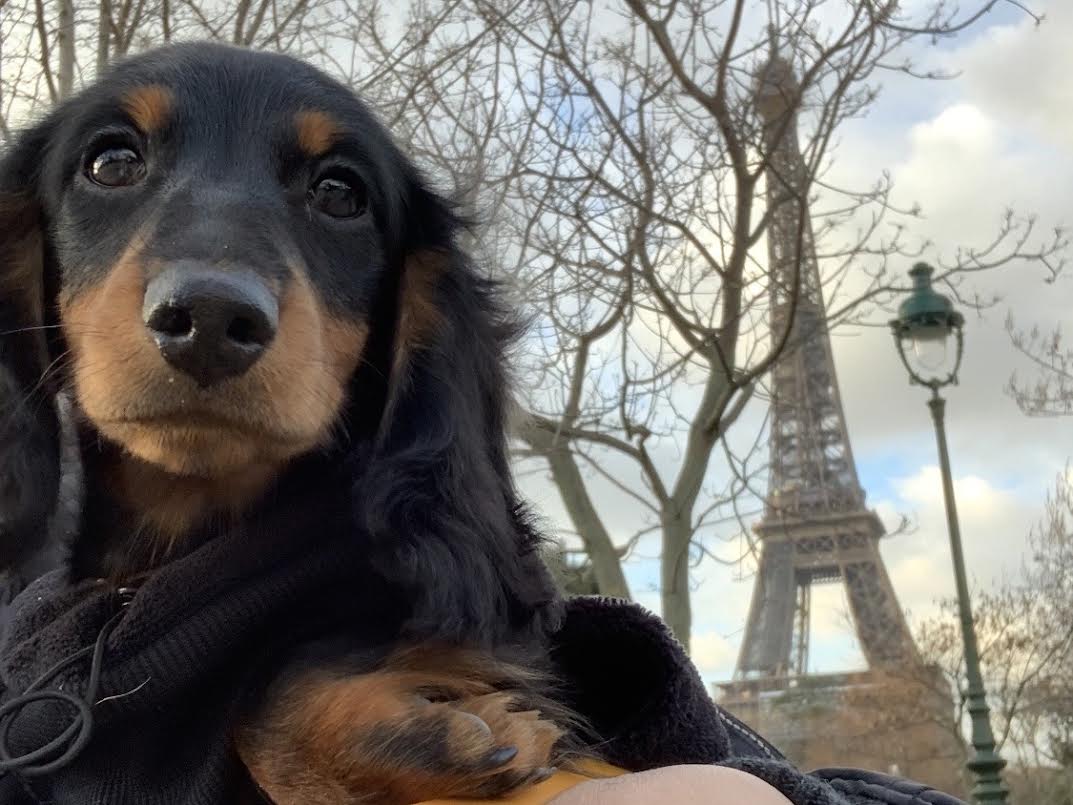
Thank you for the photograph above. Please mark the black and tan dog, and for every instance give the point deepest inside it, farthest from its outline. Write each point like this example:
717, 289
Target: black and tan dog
250, 293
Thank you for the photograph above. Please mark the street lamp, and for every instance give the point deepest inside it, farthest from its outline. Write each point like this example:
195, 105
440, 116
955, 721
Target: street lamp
922, 331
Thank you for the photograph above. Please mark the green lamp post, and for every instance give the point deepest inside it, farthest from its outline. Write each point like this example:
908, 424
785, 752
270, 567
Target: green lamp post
922, 331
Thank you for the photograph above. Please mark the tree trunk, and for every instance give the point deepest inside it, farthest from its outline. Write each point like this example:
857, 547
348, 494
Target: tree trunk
678, 513
103, 35
606, 564
66, 39
674, 577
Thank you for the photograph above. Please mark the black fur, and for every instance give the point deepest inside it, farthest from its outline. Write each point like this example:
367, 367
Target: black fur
29, 429
422, 457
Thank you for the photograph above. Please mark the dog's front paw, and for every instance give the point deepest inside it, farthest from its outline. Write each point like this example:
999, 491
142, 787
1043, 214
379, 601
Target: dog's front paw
393, 738
492, 745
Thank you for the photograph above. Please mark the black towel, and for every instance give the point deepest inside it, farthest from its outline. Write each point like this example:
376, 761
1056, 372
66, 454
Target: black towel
627, 674
180, 653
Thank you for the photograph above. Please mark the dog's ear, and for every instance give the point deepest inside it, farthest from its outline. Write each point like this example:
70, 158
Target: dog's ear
29, 430
437, 493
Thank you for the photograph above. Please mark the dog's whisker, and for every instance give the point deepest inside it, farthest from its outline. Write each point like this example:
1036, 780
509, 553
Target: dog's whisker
67, 328
31, 329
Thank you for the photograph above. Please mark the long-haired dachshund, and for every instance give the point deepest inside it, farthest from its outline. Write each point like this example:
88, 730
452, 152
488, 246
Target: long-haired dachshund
248, 291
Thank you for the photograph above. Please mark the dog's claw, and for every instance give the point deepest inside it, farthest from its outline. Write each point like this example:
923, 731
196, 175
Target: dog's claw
541, 774
500, 757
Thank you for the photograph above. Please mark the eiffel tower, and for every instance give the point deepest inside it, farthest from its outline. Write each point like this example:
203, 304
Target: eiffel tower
816, 527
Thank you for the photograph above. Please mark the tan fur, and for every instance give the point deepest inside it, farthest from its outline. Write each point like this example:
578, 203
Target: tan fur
317, 132
169, 506
333, 740
149, 107
419, 317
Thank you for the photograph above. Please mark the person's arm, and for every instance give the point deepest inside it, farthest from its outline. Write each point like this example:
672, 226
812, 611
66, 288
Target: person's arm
681, 785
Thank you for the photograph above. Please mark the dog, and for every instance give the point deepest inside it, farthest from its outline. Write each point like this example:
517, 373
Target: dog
247, 290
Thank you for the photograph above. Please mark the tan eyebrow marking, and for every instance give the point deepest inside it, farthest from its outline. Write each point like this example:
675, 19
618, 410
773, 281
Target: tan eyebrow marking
149, 107
317, 131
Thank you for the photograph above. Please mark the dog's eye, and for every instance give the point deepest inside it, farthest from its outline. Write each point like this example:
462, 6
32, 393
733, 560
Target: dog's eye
339, 198
116, 167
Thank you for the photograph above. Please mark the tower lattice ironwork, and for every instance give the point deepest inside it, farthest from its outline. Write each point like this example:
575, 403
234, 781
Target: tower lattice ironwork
816, 527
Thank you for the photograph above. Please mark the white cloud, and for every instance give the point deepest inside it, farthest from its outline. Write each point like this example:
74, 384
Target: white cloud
961, 131
1022, 72
994, 522
972, 492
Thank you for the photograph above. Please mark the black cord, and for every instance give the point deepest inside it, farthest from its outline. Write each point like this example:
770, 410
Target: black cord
66, 746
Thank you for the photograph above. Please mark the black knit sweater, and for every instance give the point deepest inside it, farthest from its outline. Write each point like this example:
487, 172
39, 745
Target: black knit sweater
181, 652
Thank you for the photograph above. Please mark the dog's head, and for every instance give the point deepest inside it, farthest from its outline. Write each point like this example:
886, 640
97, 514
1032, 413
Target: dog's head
229, 264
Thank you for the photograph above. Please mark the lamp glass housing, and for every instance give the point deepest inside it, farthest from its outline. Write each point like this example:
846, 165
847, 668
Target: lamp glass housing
926, 321
931, 352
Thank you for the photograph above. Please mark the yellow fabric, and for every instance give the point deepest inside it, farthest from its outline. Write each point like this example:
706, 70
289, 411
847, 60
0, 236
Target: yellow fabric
543, 792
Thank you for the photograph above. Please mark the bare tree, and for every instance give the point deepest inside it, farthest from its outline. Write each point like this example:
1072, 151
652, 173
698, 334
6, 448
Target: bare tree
49, 44
638, 223
1051, 392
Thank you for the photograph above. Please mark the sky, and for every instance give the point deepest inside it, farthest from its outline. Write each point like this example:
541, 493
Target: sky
998, 135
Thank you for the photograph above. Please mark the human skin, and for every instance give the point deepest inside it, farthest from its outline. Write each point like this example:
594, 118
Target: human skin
682, 785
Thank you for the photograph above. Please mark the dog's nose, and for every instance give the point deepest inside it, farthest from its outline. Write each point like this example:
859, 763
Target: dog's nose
210, 324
